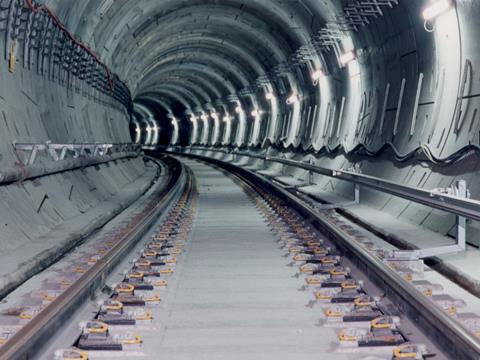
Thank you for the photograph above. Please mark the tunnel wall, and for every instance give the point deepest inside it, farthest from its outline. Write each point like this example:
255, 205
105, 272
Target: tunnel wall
406, 109
42, 217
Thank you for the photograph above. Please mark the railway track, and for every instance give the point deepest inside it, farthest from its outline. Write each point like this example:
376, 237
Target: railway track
53, 306
425, 305
258, 263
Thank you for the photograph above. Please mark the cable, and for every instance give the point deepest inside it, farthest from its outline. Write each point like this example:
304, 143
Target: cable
38, 8
424, 149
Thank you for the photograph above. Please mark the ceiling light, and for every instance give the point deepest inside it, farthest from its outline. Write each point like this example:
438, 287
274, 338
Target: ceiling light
226, 118
148, 128
347, 57
316, 75
292, 99
436, 9
256, 113
269, 96
238, 109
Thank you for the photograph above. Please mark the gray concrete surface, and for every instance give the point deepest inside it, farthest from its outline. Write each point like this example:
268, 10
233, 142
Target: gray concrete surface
25, 260
233, 295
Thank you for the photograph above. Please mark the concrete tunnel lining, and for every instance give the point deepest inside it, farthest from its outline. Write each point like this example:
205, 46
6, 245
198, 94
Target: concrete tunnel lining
404, 108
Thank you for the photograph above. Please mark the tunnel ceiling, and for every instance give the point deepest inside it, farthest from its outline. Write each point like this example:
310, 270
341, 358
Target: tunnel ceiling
194, 52
332, 75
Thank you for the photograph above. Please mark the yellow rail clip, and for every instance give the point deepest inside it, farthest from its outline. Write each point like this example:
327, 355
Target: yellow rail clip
342, 336
146, 316
320, 296
12, 58
153, 298
97, 327
160, 283
332, 313
313, 281
75, 354
134, 341
404, 352
380, 323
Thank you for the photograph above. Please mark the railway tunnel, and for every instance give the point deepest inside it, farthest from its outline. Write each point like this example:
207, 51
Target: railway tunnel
227, 179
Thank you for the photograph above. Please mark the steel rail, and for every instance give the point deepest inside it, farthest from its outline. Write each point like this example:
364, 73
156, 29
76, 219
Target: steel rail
468, 208
448, 333
24, 343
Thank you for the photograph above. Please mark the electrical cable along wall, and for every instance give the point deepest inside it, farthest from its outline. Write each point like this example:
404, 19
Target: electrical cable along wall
55, 95
36, 38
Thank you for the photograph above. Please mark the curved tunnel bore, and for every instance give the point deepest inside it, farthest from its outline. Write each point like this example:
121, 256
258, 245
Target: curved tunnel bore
386, 89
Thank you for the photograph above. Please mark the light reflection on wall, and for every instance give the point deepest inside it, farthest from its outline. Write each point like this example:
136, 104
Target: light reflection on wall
272, 99
242, 123
257, 122
176, 130
194, 132
325, 98
216, 127
205, 128
228, 129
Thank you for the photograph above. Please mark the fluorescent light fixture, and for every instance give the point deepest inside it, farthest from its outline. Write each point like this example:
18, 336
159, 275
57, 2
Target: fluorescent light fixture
238, 109
148, 128
436, 9
226, 118
204, 117
256, 113
292, 99
348, 57
317, 74
214, 115
269, 96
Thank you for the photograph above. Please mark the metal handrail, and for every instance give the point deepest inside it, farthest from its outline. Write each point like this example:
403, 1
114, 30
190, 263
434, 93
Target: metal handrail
460, 206
59, 151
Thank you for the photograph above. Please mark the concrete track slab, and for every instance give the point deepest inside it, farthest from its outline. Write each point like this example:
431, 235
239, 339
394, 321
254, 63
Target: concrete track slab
233, 296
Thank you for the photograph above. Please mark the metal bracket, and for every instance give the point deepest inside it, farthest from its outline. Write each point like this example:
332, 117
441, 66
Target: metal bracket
58, 152
458, 190
355, 169
283, 166
310, 173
